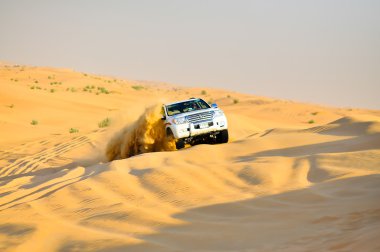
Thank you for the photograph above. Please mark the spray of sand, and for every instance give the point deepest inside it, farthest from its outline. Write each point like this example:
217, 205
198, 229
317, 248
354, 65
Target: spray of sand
147, 134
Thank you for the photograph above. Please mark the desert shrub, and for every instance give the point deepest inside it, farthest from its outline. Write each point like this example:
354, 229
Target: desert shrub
236, 101
36, 81
11, 106
34, 122
73, 130
228, 96
103, 90
88, 88
311, 121
73, 89
104, 123
55, 83
52, 90
137, 87
35, 87
203, 92
314, 113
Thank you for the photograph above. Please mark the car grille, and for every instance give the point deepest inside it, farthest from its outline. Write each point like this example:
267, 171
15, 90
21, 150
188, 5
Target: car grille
200, 117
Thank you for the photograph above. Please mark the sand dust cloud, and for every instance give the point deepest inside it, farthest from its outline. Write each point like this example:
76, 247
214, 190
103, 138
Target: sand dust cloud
147, 134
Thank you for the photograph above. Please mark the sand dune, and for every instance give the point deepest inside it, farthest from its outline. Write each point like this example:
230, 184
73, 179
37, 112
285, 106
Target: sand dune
295, 177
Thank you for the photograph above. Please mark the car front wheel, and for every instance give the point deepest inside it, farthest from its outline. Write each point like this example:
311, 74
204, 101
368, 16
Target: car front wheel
222, 137
180, 144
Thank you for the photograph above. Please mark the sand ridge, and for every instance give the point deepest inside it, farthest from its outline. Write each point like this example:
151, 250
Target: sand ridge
295, 177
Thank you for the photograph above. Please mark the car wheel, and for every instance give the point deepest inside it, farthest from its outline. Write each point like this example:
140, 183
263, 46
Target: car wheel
222, 137
180, 144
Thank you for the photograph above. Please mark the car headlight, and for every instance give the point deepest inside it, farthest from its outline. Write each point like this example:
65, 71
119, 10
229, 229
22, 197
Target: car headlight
179, 120
218, 113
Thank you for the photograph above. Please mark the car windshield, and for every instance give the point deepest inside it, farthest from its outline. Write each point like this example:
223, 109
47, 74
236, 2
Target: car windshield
187, 106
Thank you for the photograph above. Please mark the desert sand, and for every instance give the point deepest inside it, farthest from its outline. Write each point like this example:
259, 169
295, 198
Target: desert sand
293, 177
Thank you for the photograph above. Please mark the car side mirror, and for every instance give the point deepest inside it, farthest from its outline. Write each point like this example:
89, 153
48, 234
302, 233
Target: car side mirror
214, 105
163, 118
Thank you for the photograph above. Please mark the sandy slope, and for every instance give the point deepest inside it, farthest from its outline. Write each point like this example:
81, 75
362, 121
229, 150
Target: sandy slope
281, 184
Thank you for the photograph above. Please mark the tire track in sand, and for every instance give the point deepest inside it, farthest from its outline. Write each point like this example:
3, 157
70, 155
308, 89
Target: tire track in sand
30, 163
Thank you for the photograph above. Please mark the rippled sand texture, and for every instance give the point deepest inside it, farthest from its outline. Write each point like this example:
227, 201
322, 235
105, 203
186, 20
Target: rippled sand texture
294, 177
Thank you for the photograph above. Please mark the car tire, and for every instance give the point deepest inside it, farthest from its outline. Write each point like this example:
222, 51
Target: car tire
180, 144
222, 137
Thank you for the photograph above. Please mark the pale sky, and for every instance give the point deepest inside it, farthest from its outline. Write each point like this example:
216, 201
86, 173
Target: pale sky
319, 51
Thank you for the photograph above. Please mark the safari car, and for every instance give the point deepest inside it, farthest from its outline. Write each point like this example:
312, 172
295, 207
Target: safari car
194, 121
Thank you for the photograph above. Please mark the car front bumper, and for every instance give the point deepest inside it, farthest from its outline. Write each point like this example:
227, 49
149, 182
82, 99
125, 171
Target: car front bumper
199, 128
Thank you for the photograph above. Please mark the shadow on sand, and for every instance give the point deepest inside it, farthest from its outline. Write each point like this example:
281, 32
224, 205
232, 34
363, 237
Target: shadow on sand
341, 214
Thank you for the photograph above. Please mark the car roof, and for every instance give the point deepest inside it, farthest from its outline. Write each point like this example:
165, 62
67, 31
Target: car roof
191, 99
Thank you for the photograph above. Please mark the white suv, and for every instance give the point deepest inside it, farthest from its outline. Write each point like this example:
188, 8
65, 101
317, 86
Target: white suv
194, 121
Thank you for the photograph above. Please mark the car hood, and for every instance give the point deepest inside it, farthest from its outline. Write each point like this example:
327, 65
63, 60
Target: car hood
195, 112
